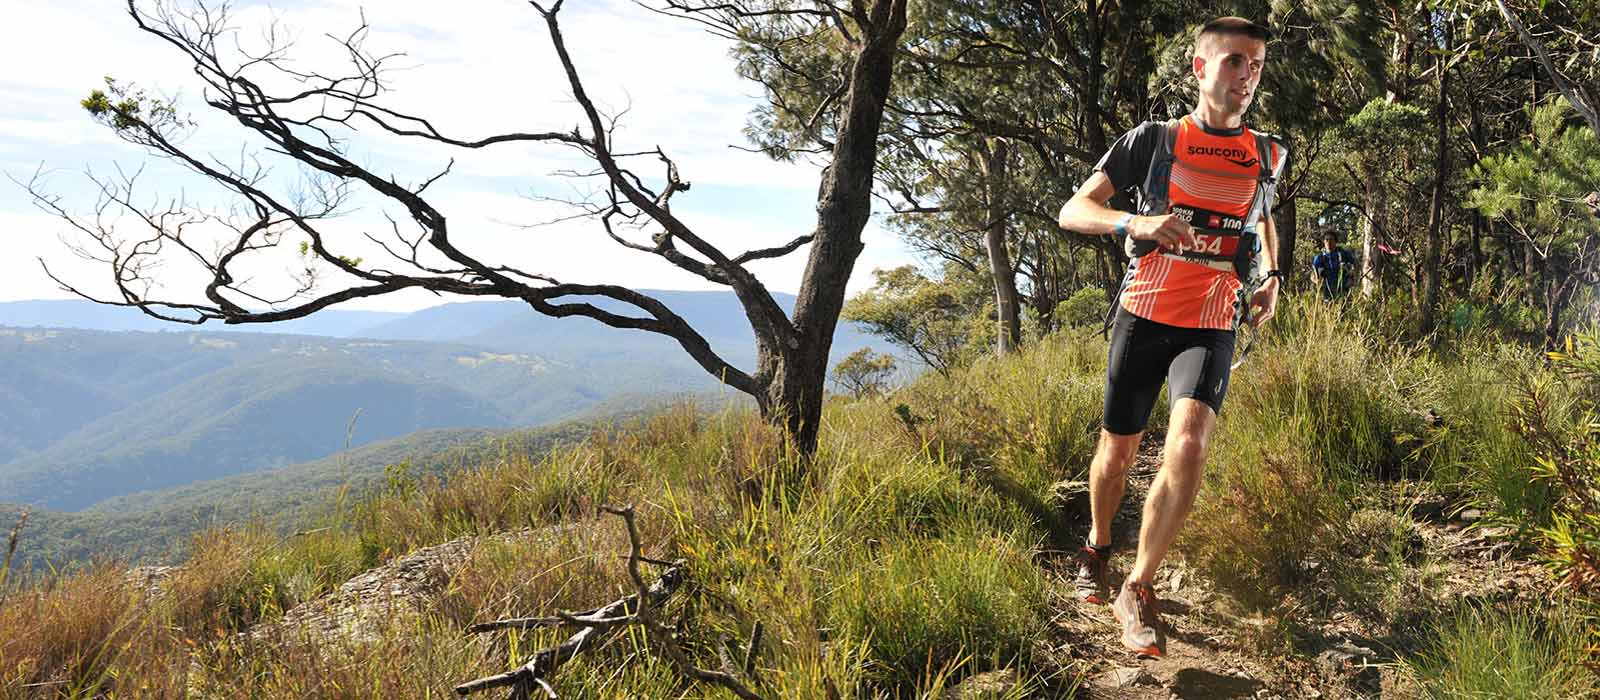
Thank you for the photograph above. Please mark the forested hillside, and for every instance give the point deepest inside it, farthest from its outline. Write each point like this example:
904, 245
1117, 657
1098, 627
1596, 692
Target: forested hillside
92, 415
95, 415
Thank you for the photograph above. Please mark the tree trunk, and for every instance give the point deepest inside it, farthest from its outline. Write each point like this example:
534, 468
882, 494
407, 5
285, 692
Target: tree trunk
1557, 294
1109, 256
1371, 226
1096, 78
794, 376
1047, 288
1475, 263
1430, 291
1475, 252
1008, 334
1287, 219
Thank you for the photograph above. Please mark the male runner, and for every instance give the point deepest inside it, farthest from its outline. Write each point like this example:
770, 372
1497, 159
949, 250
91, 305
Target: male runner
1334, 267
1177, 309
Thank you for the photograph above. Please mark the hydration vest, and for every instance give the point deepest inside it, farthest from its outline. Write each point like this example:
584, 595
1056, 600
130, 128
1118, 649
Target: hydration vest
1225, 240
1221, 240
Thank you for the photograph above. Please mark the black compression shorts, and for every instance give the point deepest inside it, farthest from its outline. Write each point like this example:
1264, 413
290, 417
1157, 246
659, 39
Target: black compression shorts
1194, 361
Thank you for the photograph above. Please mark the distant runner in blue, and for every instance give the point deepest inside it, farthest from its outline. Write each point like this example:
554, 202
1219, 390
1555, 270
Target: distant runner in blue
1335, 267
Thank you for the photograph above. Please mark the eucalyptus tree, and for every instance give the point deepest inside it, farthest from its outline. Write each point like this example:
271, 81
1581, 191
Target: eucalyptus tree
301, 121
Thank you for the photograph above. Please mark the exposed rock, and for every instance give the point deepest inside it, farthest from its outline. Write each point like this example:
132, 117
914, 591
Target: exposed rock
983, 685
375, 598
1352, 663
150, 579
1194, 684
1071, 499
1125, 676
1429, 507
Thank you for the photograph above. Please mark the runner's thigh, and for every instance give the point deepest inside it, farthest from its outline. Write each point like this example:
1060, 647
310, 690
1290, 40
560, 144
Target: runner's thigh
1140, 351
1200, 367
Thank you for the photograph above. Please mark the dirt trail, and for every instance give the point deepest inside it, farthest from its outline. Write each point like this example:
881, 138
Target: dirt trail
1208, 652
1200, 661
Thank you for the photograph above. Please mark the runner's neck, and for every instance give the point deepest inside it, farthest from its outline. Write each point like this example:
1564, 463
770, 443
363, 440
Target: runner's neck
1216, 122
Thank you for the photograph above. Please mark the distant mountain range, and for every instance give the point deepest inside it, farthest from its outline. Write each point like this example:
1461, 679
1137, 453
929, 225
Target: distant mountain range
87, 315
501, 325
95, 405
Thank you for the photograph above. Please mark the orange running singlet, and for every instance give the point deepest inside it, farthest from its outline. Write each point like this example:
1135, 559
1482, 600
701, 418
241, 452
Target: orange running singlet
1213, 185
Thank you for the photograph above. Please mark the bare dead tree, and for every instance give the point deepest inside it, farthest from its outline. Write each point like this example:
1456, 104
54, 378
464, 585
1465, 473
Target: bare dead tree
308, 124
640, 608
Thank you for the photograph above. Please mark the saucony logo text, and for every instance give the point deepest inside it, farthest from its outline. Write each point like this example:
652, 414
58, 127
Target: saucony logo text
1237, 156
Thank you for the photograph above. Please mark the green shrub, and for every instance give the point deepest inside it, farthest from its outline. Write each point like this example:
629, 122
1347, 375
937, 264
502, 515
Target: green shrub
1566, 459
1306, 419
1086, 307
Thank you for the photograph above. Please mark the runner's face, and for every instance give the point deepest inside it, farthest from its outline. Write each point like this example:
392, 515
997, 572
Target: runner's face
1229, 69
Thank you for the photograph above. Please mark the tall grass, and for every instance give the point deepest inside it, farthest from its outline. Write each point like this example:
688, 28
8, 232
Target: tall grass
73, 636
924, 605
1511, 654
1033, 417
1309, 417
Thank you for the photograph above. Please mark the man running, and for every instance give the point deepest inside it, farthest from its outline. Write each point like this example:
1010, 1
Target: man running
1334, 267
1205, 185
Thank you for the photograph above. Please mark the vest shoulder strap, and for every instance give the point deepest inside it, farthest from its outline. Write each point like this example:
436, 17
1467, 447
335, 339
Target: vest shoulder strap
1153, 196
1266, 182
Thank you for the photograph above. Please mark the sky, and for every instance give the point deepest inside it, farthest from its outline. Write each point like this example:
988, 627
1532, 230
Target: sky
482, 67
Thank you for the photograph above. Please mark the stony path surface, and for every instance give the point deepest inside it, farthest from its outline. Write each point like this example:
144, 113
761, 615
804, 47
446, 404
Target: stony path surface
1200, 661
1207, 657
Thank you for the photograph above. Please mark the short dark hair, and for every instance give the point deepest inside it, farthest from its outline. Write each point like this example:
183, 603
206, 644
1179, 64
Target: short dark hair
1237, 26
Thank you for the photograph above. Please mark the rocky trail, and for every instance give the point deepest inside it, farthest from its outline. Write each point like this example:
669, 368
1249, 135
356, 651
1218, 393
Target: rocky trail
1215, 655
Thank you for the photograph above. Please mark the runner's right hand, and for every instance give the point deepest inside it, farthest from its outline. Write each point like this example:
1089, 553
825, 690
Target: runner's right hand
1167, 230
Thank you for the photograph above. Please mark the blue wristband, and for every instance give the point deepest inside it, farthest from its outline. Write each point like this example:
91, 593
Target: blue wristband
1122, 224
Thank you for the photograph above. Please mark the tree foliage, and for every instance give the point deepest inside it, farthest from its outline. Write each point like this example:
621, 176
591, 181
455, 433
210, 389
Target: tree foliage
864, 373
1542, 189
939, 321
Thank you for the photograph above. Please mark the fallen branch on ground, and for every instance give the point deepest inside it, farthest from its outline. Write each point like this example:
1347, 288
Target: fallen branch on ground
637, 609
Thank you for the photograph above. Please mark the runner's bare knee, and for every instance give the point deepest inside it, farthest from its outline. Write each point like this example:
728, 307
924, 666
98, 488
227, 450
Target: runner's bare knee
1118, 451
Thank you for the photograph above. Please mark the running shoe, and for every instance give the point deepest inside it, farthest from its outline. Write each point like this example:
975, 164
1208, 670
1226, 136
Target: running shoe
1135, 609
1090, 577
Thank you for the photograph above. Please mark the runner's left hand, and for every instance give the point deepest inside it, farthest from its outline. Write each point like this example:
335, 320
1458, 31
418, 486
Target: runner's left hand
1264, 303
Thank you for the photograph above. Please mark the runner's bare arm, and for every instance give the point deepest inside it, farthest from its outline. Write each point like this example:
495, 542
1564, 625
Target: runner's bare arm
1264, 303
1087, 213
1269, 244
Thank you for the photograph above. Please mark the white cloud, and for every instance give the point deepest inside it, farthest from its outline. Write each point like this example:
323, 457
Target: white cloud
479, 68
30, 236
